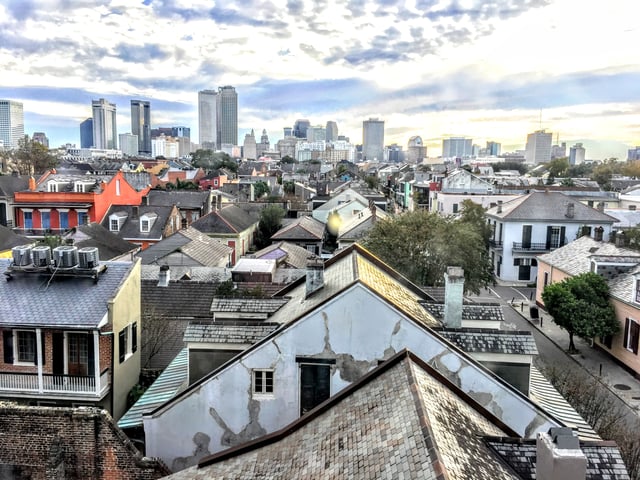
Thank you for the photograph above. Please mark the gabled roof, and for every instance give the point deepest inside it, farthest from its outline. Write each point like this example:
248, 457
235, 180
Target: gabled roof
8, 239
345, 196
489, 340
548, 206
9, 184
303, 228
33, 300
183, 199
286, 252
361, 224
108, 244
230, 219
428, 428
131, 227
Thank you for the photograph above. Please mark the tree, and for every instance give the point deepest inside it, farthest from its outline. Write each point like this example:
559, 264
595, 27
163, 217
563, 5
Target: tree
287, 159
421, 245
32, 158
603, 172
270, 222
261, 188
558, 167
289, 187
209, 160
372, 181
580, 305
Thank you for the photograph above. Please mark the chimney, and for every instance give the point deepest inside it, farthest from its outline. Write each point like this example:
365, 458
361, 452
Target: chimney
134, 212
453, 292
315, 276
32, 184
559, 456
164, 276
499, 210
619, 239
570, 210
600, 207
598, 233
372, 207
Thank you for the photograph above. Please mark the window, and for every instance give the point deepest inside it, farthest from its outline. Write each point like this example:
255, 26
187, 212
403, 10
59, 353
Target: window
25, 346
455, 208
144, 225
64, 219
83, 218
127, 341
637, 291
263, 382
546, 278
28, 219
52, 187
114, 225
555, 237
631, 335
118, 187
45, 218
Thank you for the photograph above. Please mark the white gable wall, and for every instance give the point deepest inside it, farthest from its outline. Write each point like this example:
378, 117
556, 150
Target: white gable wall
356, 329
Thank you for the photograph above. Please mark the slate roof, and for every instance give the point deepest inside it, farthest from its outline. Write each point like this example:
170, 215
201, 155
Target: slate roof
603, 458
288, 253
340, 199
361, 224
9, 239
548, 206
9, 184
401, 418
470, 312
31, 299
234, 333
209, 275
162, 389
109, 245
131, 227
183, 199
303, 228
488, 340
248, 305
625, 218
229, 219
181, 299
202, 249
138, 180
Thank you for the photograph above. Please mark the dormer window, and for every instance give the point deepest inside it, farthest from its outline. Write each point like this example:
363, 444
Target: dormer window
83, 187
116, 221
53, 186
146, 222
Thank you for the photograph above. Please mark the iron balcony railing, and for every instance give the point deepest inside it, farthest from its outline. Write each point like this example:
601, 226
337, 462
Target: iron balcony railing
81, 385
495, 243
533, 247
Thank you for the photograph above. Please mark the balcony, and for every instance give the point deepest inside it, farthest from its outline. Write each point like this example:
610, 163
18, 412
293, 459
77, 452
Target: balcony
495, 244
39, 232
532, 247
68, 385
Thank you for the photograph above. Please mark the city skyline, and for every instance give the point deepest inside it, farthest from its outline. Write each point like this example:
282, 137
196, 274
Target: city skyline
491, 72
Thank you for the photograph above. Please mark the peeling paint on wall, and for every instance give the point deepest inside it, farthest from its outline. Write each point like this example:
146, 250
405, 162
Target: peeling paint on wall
201, 441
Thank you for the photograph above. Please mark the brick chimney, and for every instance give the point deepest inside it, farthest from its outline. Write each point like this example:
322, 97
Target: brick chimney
499, 208
164, 276
32, 184
315, 276
571, 208
619, 239
453, 293
598, 234
559, 456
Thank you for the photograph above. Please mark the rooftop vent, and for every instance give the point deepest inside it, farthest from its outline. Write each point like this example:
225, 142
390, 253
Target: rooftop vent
88, 257
65, 256
41, 256
22, 255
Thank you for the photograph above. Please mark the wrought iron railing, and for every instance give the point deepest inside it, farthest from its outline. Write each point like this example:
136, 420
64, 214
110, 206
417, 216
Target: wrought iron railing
61, 384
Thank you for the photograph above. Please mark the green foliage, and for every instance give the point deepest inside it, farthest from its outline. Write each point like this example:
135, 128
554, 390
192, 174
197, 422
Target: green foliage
261, 188
287, 159
421, 245
31, 158
558, 167
580, 305
209, 160
289, 187
185, 185
520, 167
51, 241
270, 222
372, 181
602, 173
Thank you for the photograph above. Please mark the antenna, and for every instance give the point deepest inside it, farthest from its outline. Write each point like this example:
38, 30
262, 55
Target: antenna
540, 119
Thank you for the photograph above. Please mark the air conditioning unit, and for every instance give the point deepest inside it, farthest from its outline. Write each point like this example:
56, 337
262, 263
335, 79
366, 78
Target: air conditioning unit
88, 257
41, 256
21, 255
65, 256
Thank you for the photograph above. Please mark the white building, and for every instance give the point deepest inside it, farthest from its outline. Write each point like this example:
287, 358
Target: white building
373, 140
576, 154
128, 144
105, 130
208, 118
538, 149
11, 123
457, 147
163, 146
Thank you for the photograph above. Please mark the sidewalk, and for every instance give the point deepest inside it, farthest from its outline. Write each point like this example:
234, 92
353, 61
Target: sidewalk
596, 362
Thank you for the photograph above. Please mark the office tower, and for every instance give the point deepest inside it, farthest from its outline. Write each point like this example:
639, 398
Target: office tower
416, 150
181, 132
227, 116
141, 125
373, 140
208, 119
11, 124
105, 131
493, 149
129, 144
457, 147
538, 149
249, 147
633, 154
86, 133
300, 128
316, 133
41, 138
287, 132
576, 154
332, 131
559, 151
395, 153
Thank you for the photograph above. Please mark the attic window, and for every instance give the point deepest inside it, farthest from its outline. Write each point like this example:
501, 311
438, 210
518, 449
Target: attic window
116, 222
263, 382
147, 221
82, 187
144, 225
52, 186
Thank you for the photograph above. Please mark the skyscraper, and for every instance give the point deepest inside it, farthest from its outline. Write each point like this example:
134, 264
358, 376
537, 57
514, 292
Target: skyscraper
41, 138
373, 140
493, 148
141, 125
332, 131
300, 128
317, 133
227, 116
457, 147
208, 119
576, 154
11, 123
105, 130
538, 149
416, 150
86, 133
249, 146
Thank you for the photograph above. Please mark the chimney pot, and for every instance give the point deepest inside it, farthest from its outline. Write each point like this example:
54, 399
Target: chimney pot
315, 275
453, 297
499, 209
558, 455
570, 210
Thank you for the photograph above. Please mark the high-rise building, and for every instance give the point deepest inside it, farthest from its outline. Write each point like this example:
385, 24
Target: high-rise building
332, 131
227, 116
264, 145
181, 132
249, 147
41, 138
457, 147
208, 119
538, 149
129, 144
287, 132
576, 154
11, 123
416, 150
373, 140
559, 151
493, 149
300, 128
633, 154
86, 133
105, 130
395, 153
141, 125
316, 133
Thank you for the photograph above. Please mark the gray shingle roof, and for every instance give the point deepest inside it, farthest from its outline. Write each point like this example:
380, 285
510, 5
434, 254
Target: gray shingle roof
9, 184
235, 333
34, 300
108, 244
288, 253
470, 312
183, 199
229, 219
181, 299
248, 305
131, 227
548, 206
486, 340
303, 228
8, 239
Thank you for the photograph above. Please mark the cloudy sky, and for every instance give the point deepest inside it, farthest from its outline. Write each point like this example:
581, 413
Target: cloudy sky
489, 70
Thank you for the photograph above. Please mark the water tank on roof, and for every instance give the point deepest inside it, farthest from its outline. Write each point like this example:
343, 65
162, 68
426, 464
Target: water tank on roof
88, 257
41, 256
65, 256
21, 255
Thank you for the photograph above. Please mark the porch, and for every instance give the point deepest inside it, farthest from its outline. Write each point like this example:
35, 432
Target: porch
50, 384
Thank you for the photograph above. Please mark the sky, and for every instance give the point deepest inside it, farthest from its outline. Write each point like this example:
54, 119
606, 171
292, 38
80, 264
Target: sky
485, 69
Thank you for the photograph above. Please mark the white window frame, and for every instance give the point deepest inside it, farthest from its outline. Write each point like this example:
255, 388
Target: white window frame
16, 349
145, 225
266, 376
629, 347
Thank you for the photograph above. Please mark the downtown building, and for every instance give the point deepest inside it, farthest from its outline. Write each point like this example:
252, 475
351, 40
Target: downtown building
105, 131
11, 124
218, 118
373, 140
457, 147
538, 149
86, 133
141, 125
